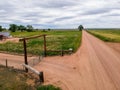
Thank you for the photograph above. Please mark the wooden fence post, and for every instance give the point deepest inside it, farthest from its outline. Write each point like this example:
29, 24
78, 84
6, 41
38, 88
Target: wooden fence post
44, 45
41, 76
25, 54
6, 63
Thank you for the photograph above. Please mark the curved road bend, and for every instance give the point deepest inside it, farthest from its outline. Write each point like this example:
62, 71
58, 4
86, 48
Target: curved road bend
95, 66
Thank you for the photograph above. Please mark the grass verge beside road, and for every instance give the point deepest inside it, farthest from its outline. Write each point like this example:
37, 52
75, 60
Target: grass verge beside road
106, 35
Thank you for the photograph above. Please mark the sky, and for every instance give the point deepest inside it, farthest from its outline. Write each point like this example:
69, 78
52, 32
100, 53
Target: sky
61, 13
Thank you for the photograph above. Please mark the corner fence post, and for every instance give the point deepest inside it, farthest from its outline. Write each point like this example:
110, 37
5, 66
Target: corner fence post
41, 77
44, 45
25, 54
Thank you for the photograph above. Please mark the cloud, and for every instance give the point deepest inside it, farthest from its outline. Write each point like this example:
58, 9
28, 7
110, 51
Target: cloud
60, 13
55, 3
114, 15
96, 11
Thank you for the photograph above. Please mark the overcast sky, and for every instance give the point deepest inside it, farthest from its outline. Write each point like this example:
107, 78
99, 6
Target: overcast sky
61, 13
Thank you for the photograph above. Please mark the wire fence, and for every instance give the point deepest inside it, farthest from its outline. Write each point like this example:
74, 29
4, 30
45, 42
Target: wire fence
32, 61
16, 62
12, 63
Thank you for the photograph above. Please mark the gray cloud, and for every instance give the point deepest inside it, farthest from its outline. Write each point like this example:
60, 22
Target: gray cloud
60, 13
114, 15
97, 11
56, 3
63, 18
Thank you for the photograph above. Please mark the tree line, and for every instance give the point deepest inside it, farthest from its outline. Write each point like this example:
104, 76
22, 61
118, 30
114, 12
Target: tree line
28, 28
14, 27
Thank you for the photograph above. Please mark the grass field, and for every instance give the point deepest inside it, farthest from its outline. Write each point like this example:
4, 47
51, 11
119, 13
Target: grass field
107, 35
56, 40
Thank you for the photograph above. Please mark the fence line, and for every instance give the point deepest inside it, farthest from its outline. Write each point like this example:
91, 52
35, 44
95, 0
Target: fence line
12, 64
16, 63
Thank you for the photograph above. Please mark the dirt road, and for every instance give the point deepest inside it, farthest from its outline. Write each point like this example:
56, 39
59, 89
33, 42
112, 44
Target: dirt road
95, 66
115, 46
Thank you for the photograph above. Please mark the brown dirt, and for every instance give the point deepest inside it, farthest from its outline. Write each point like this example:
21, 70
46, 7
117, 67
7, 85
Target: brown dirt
95, 66
115, 46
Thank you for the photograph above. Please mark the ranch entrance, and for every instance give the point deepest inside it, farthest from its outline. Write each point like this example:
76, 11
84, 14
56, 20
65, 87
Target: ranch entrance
29, 50
37, 44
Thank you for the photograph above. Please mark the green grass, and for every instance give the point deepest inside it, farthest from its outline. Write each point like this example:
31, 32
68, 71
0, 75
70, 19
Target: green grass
107, 35
56, 40
48, 87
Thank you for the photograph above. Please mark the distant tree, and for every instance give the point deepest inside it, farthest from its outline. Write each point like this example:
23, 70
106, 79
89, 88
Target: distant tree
21, 28
80, 27
49, 29
29, 28
1, 29
13, 27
